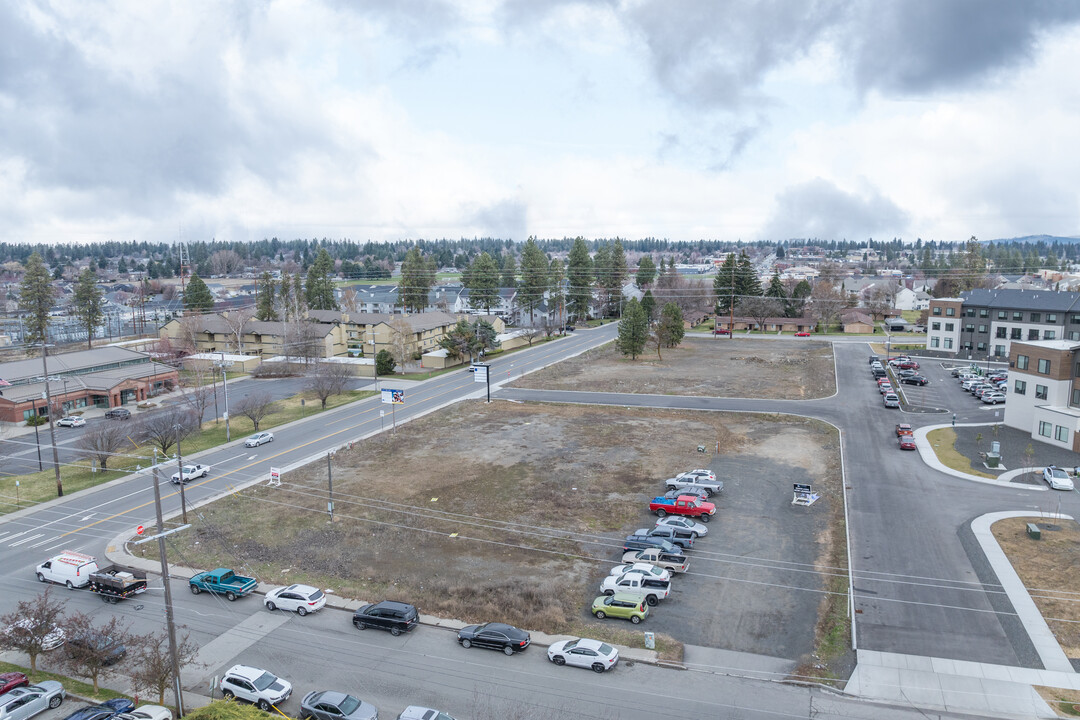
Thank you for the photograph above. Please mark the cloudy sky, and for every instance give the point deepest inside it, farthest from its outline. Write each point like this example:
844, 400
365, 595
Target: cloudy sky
683, 119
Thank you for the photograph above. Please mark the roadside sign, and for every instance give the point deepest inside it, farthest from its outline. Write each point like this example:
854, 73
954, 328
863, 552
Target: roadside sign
799, 488
139, 530
275, 476
480, 372
392, 397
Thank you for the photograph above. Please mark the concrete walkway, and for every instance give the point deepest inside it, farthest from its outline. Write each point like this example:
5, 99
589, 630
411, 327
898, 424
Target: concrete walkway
926, 452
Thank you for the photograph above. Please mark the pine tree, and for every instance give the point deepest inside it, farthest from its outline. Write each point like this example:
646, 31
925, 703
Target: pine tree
556, 290
616, 278
646, 271
534, 281
417, 279
264, 306
601, 271
746, 279
776, 290
285, 296
671, 326
633, 330
36, 296
648, 304
319, 292
197, 297
579, 275
482, 281
89, 305
724, 284
509, 272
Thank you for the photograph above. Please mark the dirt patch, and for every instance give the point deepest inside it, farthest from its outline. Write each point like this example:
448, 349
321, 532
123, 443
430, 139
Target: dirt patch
771, 369
517, 511
1048, 568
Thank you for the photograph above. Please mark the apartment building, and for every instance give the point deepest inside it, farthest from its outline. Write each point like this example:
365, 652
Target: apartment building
981, 323
1044, 391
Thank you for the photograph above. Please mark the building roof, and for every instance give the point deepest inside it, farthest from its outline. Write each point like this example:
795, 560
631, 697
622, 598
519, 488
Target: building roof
69, 362
1067, 345
216, 323
1046, 300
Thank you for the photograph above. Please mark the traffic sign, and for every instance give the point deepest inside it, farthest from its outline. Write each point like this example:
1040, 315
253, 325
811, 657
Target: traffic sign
139, 530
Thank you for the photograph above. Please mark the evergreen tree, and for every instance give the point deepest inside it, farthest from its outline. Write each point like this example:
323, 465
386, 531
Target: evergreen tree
197, 297
482, 281
648, 304
776, 290
36, 296
601, 272
534, 280
633, 330
385, 362
89, 305
121, 266
509, 272
417, 279
285, 296
319, 292
724, 285
579, 275
616, 278
797, 301
670, 326
264, 305
746, 279
646, 271
780, 252
556, 289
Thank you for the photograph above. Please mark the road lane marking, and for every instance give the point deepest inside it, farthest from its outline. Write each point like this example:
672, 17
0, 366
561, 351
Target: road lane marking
87, 517
25, 540
39, 544
59, 544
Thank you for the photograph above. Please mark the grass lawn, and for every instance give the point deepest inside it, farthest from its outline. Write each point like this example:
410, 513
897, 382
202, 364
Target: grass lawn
443, 277
77, 687
41, 486
943, 440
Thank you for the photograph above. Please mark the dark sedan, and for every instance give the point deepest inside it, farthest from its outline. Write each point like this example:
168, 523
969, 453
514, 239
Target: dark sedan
914, 380
494, 636
12, 680
330, 705
103, 711
397, 617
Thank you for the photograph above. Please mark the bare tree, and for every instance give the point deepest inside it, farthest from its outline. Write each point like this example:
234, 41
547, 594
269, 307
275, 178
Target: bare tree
759, 308
91, 650
694, 297
877, 302
328, 379
197, 394
238, 320
168, 426
826, 302
102, 440
151, 667
32, 628
348, 301
225, 262
401, 336
255, 406
191, 327
531, 332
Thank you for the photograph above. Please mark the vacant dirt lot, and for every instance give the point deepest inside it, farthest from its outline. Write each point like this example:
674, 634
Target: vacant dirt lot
1048, 569
516, 512
790, 369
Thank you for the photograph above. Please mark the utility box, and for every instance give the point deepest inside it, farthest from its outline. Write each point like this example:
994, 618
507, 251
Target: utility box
993, 459
995, 447
1034, 532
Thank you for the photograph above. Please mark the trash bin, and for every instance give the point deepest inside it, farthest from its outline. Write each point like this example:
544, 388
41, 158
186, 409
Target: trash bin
993, 459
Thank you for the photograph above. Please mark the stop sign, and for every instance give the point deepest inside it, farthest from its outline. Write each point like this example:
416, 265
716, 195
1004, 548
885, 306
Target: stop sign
139, 530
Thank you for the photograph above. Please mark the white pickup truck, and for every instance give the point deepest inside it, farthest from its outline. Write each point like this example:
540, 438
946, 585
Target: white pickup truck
653, 589
697, 479
191, 472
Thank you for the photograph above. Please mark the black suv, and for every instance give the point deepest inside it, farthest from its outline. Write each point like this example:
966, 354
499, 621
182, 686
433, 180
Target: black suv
397, 617
118, 414
640, 541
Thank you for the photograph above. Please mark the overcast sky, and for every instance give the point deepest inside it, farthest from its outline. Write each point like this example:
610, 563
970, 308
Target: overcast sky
680, 119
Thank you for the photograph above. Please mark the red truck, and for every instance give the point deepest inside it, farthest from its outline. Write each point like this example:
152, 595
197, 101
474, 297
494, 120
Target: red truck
683, 505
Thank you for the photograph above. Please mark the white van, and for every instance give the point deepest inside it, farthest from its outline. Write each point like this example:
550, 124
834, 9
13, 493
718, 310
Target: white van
68, 568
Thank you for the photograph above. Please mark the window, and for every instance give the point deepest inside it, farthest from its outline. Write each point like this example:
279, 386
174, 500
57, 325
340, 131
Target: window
1020, 388
1016, 334
1049, 335
1075, 397
970, 312
948, 344
935, 342
1022, 362
983, 312
982, 328
1061, 434
1074, 335
1074, 320
950, 311
935, 326
937, 311
1040, 392
999, 350
1036, 317
948, 327
1033, 334
1018, 316
1002, 314
969, 328
1001, 332
1045, 428
1051, 317
1044, 367
981, 348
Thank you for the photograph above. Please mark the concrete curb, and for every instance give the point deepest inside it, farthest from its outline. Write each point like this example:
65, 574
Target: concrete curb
926, 452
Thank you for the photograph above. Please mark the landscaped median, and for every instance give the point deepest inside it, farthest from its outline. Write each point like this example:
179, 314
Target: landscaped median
943, 443
40, 487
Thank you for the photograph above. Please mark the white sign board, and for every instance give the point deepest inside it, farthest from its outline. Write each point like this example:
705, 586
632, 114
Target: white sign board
275, 476
393, 397
480, 373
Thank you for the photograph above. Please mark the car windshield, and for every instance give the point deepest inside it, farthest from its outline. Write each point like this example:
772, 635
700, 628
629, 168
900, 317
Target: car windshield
264, 681
348, 705
1059, 474
315, 595
570, 645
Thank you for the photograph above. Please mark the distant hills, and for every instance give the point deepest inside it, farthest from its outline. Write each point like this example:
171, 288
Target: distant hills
1048, 239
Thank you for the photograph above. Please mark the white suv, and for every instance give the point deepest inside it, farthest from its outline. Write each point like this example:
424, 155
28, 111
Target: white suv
256, 686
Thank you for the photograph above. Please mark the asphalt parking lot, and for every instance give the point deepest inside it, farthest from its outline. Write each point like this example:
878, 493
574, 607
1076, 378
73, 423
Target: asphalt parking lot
943, 394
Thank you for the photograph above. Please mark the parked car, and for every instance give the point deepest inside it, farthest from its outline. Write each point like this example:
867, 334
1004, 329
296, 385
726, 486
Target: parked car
101, 645
68, 568
11, 680
907, 365
647, 569
415, 712
676, 562
255, 686
494, 636
118, 414
891, 400
25, 702
258, 439
721, 331
640, 541
301, 599
190, 472
222, 581
647, 587
678, 492
904, 373
72, 421
697, 479
686, 505
993, 398
107, 709
907, 442
397, 617
885, 388
914, 380
51, 637
903, 429
621, 605
675, 535
1057, 478
584, 652
330, 705
698, 529
875, 359
147, 712
803, 333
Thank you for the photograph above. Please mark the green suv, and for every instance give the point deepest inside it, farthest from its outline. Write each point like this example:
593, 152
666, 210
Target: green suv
621, 605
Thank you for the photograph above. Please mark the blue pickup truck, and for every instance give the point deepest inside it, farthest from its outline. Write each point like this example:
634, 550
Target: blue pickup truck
222, 581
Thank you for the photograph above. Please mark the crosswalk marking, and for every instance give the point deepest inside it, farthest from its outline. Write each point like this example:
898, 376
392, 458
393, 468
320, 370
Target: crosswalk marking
25, 540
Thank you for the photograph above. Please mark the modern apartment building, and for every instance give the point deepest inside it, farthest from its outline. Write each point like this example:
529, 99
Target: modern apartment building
983, 323
1044, 391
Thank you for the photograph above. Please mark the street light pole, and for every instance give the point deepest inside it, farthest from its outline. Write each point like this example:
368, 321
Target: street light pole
52, 429
169, 622
225, 384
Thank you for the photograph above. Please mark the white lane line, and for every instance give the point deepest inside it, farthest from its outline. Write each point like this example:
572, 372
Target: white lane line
42, 542
59, 544
6, 532
25, 540
87, 517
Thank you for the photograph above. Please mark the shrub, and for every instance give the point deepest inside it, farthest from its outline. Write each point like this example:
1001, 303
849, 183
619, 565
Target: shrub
37, 420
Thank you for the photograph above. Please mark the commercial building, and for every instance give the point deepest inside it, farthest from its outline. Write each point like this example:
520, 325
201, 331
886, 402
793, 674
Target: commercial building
1044, 391
103, 377
982, 323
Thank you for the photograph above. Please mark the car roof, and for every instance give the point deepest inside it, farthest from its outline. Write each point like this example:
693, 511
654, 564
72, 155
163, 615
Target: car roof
589, 643
306, 589
395, 604
246, 671
331, 696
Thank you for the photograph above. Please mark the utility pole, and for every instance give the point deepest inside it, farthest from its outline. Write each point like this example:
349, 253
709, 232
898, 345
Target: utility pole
37, 438
731, 302
48, 409
169, 622
330, 486
180, 468
225, 385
